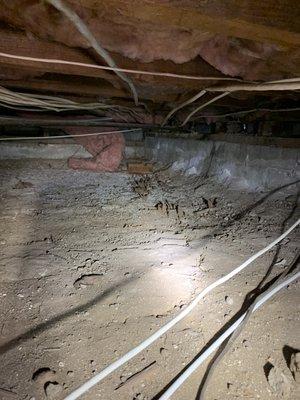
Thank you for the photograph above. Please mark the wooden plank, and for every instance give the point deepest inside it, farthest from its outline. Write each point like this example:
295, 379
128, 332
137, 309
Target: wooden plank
266, 21
94, 87
62, 86
139, 168
19, 44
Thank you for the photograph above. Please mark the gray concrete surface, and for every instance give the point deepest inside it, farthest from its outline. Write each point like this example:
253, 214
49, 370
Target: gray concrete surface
246, 166
54, 151
251, 167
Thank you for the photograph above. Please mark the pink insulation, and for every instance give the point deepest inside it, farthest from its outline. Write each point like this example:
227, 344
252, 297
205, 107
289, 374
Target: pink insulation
148, 39
107, 150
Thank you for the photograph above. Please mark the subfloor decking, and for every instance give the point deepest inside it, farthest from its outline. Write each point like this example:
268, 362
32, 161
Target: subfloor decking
92, 264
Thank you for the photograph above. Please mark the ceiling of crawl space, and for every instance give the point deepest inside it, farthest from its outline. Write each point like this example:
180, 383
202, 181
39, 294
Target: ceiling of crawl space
252, 40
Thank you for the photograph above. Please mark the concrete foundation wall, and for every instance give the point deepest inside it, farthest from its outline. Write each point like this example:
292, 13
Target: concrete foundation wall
55, 151
252, 167
248, 166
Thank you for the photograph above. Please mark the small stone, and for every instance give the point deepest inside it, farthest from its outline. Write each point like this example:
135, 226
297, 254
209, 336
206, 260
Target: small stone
139, 396
229, 300
88, 262
295, 366
162, 350
96, 263
23, 185
48, 239
279, 383
43, 375
53, 389
87, 280
280, 263
70, 373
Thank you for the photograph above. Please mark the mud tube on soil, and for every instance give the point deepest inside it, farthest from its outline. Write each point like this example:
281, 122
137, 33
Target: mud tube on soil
132, 353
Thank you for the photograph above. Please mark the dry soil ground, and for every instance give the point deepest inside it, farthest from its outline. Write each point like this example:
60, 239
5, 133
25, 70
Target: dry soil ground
91, 264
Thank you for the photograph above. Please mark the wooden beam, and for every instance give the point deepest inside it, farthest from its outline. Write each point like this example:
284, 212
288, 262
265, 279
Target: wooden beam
270, 21
154, 88
195, 67
79, 87
19, 44
71, 121
62, 86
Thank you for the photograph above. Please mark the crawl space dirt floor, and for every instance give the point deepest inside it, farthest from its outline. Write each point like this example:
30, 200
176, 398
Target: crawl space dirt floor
92, 264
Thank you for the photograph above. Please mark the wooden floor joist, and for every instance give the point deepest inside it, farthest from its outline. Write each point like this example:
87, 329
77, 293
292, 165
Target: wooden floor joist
264, 21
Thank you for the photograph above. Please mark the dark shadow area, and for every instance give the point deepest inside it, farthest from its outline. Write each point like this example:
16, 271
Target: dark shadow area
50, 323
205, 176
277, 252
44, 326
288, 352
242, 310
247, 210
267, 368
260, 201
247, 303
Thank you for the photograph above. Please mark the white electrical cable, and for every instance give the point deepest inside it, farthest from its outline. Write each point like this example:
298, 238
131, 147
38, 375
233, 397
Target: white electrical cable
204, 105
266, 86
196, 364
132, 353
90, 38
53, 103
191, 100
133, 71
129, 71
64, 136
